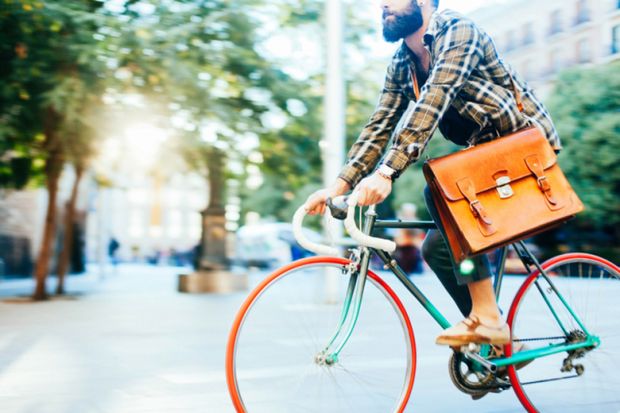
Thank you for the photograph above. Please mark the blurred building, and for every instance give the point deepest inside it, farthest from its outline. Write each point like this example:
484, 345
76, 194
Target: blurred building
22, 216
152, 217
541, 38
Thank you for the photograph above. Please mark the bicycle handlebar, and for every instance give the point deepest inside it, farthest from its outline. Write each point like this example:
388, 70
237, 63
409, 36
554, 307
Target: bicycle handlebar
364, 239
305, 242
349, 223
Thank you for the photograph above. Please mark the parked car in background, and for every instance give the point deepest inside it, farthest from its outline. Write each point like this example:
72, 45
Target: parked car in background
270, 245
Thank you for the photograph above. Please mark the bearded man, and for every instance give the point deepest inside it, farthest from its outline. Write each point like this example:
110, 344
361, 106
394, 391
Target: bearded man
446, 74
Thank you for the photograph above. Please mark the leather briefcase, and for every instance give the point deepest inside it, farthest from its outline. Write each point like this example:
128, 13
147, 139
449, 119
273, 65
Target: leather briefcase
499, 192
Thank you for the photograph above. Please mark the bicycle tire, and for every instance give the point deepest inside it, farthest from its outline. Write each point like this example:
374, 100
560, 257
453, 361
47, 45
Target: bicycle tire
239, 390
542, 386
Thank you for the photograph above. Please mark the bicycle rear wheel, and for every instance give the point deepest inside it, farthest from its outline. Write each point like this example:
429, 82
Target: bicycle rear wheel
290, 317
577, 381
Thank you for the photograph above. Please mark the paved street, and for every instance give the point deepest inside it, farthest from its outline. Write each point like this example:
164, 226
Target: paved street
131, 344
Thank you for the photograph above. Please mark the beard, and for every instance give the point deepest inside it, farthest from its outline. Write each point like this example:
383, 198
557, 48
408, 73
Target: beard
402, 25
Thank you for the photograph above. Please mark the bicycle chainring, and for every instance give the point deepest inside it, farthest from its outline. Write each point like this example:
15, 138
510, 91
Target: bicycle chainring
471, 382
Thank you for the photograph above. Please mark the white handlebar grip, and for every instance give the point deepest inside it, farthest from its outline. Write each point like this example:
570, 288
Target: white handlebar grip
305, 242
359, 236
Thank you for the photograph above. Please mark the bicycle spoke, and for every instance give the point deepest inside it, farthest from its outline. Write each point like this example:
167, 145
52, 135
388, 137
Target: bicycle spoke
288, 326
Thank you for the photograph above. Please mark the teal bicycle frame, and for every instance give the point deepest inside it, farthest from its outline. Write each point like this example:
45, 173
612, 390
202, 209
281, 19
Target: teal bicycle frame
358, 272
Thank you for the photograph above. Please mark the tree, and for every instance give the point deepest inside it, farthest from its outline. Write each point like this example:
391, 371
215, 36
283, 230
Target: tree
584, 105
79, 152
52, 70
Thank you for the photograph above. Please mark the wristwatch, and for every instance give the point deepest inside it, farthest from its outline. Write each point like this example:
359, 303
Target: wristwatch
386, 172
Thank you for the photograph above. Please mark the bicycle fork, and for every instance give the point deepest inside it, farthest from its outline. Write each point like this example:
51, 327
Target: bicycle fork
350, 311
358, 273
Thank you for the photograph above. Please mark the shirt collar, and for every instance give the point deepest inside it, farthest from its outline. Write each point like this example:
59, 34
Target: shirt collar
433, 28
436, 24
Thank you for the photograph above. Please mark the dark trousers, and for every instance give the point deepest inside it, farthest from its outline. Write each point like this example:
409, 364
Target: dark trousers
438, 256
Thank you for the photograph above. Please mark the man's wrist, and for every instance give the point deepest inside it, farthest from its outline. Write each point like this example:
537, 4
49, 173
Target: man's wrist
386, 172
340, 187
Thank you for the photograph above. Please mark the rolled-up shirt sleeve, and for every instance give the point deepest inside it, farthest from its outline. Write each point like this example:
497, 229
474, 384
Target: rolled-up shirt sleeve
369, 147
457, 53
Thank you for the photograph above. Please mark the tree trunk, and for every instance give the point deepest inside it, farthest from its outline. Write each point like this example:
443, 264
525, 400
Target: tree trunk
53, 169
42, 266
65, 253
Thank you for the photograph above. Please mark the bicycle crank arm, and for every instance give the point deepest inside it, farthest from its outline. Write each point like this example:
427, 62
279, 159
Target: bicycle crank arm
481, 360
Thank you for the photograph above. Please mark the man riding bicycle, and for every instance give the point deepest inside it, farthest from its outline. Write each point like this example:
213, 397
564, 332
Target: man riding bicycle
450, 72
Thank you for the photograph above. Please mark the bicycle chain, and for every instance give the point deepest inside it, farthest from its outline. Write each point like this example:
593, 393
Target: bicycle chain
540, 339
548, 380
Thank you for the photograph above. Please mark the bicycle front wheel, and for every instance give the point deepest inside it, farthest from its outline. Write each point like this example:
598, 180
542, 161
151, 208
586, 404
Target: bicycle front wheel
285, 323
583, 380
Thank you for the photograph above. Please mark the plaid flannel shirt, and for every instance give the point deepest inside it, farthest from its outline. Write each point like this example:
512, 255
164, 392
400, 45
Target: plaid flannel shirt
467, 76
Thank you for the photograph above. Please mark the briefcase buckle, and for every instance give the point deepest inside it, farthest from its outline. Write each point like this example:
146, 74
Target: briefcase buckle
503, 187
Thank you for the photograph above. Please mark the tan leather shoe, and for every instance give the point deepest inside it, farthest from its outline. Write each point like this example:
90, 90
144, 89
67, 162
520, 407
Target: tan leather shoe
471, 330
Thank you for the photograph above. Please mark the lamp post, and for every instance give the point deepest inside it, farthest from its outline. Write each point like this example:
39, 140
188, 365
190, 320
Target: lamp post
332, 145
213, 275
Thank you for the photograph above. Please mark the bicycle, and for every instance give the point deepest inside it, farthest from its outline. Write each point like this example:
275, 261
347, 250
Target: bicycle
323, 354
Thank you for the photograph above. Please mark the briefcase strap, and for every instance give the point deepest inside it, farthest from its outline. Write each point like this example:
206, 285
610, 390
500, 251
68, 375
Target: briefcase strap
535, 166
467, 188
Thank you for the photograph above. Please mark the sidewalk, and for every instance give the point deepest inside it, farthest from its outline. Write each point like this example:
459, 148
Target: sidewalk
24, 286
129, 343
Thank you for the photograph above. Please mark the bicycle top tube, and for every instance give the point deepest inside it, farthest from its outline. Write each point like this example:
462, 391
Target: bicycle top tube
397, 223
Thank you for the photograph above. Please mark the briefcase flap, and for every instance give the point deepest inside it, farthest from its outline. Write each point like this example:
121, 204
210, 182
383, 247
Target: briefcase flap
504, 160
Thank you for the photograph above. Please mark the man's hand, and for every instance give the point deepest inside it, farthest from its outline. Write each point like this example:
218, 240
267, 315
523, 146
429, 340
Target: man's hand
373, 189
315, 204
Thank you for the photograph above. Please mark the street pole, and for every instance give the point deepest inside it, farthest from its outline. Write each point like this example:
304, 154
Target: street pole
332, 145
213, 274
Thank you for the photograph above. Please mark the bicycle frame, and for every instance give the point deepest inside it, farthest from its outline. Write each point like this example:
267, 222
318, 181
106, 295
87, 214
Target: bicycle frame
354, 295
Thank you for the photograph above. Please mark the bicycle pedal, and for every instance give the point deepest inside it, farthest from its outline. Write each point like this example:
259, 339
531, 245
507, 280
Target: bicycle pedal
503, 384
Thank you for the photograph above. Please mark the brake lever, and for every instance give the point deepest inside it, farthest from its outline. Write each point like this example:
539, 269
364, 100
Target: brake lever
338, 207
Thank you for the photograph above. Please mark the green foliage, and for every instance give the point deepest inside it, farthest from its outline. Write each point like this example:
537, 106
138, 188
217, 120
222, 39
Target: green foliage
51, 76
585, 106
292, 160
201, 62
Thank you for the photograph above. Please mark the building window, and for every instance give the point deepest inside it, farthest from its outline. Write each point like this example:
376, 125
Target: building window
528, 34
583, 51
555, 61
556, 22
615, 39
583, 12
